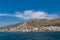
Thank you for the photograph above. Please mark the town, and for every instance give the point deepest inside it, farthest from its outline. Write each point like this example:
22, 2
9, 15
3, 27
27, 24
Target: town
31, 29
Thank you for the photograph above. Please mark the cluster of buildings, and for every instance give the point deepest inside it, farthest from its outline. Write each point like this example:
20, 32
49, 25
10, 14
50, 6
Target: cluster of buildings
31, 29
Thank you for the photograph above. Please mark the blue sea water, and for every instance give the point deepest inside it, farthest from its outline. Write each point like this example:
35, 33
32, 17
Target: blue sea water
29, 35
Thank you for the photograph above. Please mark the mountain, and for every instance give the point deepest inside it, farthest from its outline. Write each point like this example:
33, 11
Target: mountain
34, 25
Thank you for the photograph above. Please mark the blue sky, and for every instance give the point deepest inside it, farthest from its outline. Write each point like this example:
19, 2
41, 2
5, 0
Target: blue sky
15, 11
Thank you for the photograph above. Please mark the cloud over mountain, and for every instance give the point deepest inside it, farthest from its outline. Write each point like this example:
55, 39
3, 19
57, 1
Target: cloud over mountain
31, 14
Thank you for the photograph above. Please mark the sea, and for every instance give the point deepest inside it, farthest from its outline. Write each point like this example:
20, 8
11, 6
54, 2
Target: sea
29, 35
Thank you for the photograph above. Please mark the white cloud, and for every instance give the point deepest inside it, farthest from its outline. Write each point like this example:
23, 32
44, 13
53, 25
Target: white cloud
10, 15
3, 14
31, 14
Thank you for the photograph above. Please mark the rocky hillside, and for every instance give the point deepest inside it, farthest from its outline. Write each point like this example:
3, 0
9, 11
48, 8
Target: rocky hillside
44, 22
33, 25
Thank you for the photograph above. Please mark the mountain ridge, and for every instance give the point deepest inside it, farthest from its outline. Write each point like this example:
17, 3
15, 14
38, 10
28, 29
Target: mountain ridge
31, 24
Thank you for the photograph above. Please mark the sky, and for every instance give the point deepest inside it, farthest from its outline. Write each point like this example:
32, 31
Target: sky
16, 11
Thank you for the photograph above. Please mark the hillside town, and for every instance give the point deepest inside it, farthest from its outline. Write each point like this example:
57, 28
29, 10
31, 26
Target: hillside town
40, 25
31, 29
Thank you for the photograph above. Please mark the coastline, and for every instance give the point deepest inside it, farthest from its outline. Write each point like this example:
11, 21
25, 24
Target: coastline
34, 29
